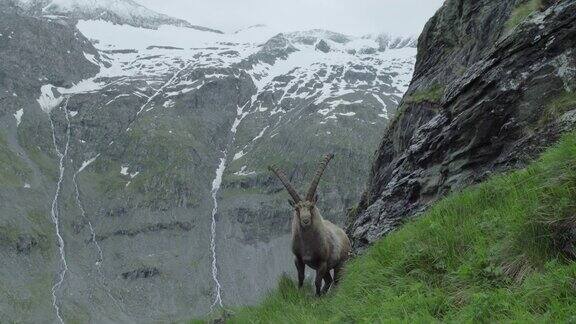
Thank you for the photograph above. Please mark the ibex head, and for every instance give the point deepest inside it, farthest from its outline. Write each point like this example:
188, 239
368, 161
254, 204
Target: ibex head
303, 208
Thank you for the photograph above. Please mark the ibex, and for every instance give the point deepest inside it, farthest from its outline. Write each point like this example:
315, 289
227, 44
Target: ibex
316, 242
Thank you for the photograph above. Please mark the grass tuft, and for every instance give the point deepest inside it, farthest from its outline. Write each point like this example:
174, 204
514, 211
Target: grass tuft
433, 95
495, 252
521, 12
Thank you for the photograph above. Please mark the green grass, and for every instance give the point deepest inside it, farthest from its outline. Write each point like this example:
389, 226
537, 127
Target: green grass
105, 173
13, 170
36, 140
560, 105
486, 254
165, 179
521, 12
38, 227
164, 160
21, 300
433, 95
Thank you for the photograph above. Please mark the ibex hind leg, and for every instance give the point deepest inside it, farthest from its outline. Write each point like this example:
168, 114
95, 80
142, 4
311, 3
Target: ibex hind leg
338, 271
327, 282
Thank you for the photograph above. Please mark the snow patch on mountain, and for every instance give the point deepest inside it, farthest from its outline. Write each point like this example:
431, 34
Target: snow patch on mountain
18, 116
48, 99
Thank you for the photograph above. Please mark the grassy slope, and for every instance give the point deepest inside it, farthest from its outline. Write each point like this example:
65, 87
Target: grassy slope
13, 171
488, 253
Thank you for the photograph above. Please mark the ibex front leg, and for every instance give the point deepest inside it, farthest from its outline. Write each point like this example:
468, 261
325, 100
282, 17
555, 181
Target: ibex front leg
300, 266
320, 274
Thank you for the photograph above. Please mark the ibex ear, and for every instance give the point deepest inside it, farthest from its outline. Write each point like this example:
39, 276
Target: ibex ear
315, 199
291, 202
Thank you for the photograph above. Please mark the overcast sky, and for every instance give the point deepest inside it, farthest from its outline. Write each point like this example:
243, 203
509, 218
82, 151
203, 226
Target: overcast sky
354, 17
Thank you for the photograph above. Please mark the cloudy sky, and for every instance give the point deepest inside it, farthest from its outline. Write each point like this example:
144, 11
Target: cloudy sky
354, 17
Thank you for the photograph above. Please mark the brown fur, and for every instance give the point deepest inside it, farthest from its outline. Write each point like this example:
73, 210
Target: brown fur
316, 242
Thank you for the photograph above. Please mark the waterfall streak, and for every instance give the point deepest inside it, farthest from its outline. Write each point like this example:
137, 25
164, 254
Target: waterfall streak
215, 188
216, 183
55, 214
100, 257
164, 86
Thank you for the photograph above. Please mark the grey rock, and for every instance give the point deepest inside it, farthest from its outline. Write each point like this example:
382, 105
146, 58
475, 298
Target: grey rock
25, 243
311, 37
163, 47
174, 226
322, 46
386, 41
142, 273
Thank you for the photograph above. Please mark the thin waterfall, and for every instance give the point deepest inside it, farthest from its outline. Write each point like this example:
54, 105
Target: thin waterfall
216, 184
55, 214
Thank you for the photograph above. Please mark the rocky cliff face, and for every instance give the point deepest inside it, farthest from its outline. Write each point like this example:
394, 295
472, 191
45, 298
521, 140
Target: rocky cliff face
133, 173
493, 86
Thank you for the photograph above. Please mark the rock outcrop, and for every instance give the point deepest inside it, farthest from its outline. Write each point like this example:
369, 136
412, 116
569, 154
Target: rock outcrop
492, 88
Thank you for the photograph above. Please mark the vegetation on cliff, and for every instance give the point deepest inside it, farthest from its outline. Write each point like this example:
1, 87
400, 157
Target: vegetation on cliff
522, 11
432, 95
498, 251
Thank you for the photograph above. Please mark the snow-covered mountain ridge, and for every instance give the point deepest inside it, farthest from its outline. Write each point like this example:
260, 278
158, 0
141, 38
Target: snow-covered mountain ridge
316, 65
121, 12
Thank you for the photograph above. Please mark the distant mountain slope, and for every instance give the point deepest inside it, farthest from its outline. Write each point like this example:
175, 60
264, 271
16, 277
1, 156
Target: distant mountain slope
33, 52
141, 184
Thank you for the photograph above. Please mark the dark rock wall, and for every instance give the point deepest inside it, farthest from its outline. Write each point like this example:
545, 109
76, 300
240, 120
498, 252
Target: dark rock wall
486, 96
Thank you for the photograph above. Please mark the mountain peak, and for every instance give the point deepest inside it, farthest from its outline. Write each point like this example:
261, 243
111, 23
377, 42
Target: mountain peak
387, 41
122, 12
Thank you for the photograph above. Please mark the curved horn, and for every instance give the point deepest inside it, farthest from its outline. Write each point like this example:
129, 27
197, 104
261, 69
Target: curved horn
319, 172
280, 174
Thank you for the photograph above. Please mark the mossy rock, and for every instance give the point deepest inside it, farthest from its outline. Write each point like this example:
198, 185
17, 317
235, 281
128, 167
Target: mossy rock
523, 11
559, 105
432, 94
